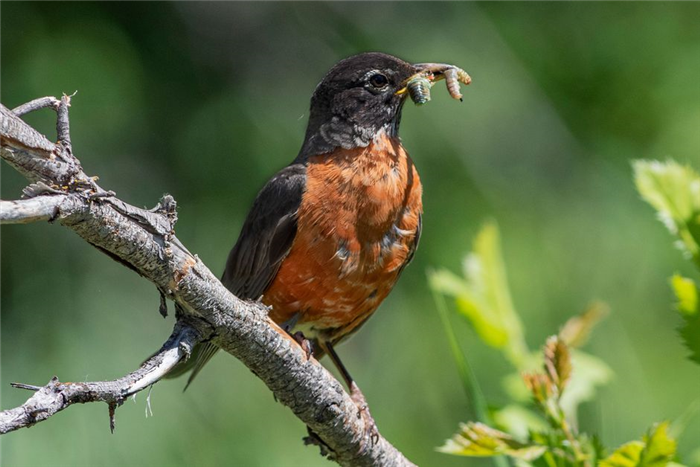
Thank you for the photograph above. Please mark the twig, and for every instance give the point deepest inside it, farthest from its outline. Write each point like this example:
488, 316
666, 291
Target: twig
61, 108
56, 396
62, 122
29, 387
36, 104
43, 208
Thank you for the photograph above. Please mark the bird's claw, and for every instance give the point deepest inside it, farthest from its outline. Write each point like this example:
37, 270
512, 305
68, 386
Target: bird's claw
371, 431
304, 343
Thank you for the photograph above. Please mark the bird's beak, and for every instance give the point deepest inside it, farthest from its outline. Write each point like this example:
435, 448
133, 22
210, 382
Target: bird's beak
433, 72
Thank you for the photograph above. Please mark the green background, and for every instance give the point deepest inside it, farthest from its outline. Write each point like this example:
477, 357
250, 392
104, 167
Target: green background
205, 101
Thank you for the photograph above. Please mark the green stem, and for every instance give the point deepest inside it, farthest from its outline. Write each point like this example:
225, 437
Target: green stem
575, 446
466, 374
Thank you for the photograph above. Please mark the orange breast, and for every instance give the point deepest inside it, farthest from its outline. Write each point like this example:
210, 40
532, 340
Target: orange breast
356, 229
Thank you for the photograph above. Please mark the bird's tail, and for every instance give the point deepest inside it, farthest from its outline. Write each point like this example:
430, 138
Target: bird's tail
201, 354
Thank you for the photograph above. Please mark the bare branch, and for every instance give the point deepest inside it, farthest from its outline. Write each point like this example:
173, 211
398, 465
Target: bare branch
36, 104
62, 122
56, 396
43, 208
145, 242
29, 387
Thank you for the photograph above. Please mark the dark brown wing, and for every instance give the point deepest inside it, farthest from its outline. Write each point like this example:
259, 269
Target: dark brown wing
414, 245
265, 240
267, 234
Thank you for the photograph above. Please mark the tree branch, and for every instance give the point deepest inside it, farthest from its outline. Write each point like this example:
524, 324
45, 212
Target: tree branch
145, 242
43, 208
36, 104
56, 396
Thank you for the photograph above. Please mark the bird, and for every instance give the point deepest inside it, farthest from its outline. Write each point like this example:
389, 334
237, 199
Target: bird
329, 235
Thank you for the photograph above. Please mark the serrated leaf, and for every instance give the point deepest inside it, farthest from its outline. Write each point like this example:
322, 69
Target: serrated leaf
479, 440
686, 292
576, 330
557, 363
674, 191
659, 448
626, 455
656, 449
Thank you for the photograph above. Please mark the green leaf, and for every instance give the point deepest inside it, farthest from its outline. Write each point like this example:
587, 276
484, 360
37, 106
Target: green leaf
660, 448
656, 449
447, 283
556, 455
626, 455
687, 305
479, 440
674, 191
595, 448
483, 296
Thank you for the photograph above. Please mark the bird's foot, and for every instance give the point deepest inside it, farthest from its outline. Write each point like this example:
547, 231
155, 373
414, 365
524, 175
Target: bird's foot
304, 343
371, 431
298, 336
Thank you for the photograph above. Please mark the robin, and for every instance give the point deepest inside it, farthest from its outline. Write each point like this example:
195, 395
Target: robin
329, 235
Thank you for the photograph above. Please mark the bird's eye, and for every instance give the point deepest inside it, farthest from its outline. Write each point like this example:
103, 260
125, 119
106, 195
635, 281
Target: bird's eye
378, 80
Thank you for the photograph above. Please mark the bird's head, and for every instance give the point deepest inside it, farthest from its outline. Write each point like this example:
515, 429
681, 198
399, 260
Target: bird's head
362, 96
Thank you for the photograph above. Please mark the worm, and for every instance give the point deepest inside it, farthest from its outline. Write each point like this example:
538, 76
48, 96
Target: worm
454, 76
418, 86
419, 89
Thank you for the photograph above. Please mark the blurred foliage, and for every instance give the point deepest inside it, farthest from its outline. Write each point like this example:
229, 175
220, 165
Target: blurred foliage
554, 438
674, 191
687, 293
559, 444
477, 439
483, 295
207, 100
656, 449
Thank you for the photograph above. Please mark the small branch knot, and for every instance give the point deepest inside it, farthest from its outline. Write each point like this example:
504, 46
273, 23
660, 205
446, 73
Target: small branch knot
167, 206
314, 440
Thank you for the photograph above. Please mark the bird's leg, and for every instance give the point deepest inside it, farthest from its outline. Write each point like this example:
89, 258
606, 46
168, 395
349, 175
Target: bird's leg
298, 336
355, 394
